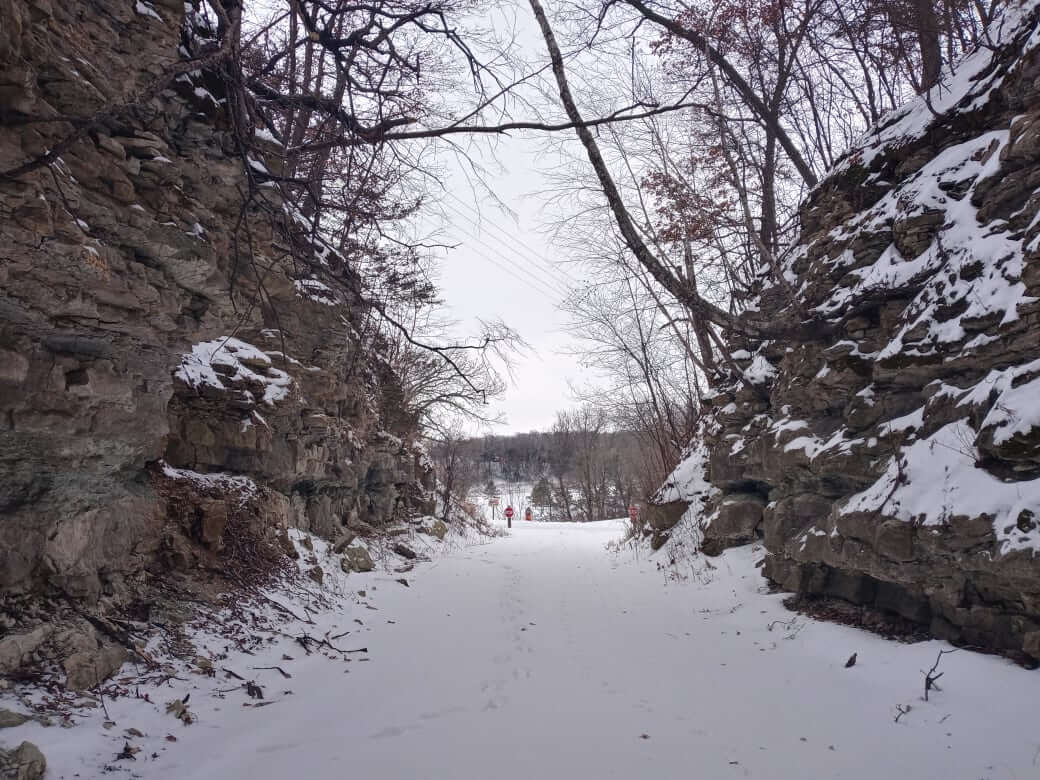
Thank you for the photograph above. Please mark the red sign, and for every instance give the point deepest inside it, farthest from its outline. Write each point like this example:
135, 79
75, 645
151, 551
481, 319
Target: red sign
633, 512
509, 512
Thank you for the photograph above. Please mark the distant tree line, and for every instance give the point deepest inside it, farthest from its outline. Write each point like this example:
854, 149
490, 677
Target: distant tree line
584, 468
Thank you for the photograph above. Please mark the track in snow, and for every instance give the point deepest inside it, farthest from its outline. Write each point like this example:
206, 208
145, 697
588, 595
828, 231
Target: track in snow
543, 655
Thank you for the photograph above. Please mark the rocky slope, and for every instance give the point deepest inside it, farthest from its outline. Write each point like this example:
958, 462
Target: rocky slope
165, 398
885, 443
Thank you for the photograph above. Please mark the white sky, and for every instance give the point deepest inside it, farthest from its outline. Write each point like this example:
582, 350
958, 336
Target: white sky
473, 278
506, 268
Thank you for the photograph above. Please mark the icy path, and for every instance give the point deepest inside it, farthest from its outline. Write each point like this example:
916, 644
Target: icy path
544, 656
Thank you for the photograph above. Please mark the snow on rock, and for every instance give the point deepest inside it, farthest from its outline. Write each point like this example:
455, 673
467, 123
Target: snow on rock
936, 480
968, 87
228, 362
948, 262
146, 9
888, 452
315, 290
678, 512
687, 482
1011, 395
232, 483
759, 371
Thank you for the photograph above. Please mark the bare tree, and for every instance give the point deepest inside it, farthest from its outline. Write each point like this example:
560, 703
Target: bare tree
456, 473
562, 456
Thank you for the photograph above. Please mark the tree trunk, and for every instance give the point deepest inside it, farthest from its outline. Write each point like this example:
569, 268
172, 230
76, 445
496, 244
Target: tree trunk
926, 27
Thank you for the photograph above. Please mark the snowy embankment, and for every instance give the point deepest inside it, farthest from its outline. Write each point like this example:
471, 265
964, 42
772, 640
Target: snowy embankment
546, 654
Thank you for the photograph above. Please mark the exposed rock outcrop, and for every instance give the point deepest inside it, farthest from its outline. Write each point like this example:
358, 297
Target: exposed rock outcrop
884, 439
155, 403
25, 762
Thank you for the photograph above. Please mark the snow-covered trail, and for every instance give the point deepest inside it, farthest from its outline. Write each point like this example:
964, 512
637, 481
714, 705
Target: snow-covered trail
544, 655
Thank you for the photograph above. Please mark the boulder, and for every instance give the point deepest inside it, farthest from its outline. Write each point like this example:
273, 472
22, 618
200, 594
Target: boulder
344, 542
357, 559
662, 517
87, 670
736, 522
405, 551
9, 719
286, 543
25, 762
17, 648
1031, 644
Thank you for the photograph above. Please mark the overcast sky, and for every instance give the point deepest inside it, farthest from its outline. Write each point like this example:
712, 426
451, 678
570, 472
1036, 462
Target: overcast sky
505, 267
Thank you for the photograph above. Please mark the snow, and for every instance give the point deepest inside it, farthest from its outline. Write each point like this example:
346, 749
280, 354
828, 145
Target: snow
315, 290
264, 134
229, 482
204, 94
256, 165
912, 421
936, 480
240, 363
1012, 394
543, 654
760, 371
967, 86
145, 9
688, 481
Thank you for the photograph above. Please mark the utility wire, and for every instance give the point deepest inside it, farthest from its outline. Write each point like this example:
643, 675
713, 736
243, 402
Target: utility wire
533, 282
553, 287
523, 248
512, 244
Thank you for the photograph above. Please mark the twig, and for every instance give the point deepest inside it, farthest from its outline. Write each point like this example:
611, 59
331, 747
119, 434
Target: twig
285, 609
278, 669
930, 677
101, 698
303, 639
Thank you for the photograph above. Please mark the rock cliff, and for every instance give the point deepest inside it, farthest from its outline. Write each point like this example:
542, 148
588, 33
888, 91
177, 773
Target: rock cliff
169, 379
883, 435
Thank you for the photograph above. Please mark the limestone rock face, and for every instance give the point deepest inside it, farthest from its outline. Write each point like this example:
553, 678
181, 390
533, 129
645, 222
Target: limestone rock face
887, 450
145, 383
25, 762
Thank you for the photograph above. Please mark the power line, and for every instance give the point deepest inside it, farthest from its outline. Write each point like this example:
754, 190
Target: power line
509, 253
519, 247
514, 244
533, 282
552, 287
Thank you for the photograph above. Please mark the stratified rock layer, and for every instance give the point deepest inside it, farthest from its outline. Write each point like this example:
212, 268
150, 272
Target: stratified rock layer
148, 391
884, 441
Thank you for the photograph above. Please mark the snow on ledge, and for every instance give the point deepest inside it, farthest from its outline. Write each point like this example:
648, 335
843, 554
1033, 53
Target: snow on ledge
215, 480
239, 361
936, 479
